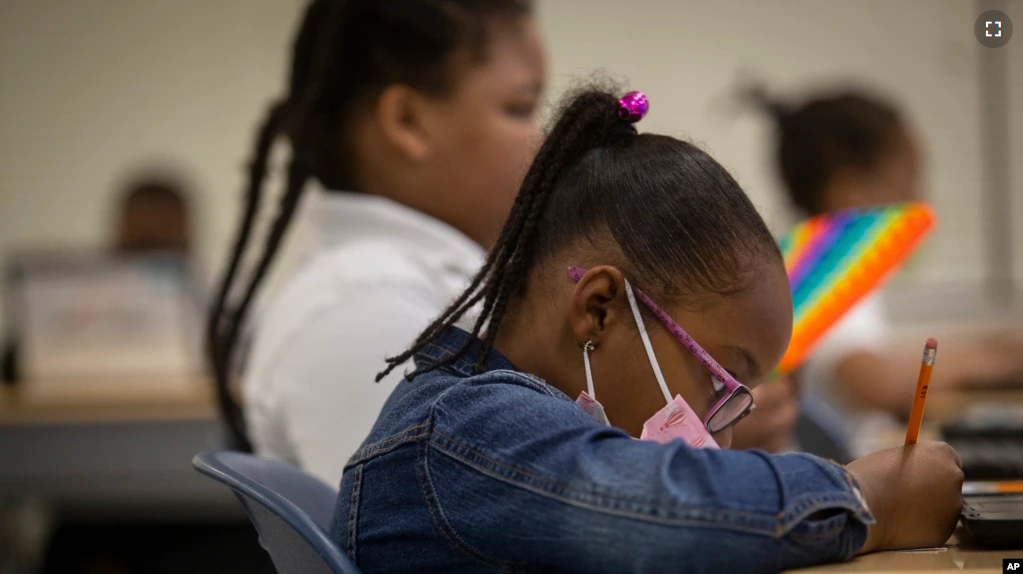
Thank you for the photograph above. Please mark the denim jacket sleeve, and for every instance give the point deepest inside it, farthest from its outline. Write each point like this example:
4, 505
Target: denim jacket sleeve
515, 474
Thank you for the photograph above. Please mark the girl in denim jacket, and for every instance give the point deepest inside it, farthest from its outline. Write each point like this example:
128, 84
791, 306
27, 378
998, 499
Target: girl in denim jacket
634, 293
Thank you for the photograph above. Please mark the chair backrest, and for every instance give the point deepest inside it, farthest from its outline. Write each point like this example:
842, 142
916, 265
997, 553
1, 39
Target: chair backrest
291, 510
819, 431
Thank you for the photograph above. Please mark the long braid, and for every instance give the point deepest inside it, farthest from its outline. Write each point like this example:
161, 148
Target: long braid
492, 272
517, 271
313, 43
463, 303
582, 126
466, 301
229, 408
298, 174
583, 137
265, 138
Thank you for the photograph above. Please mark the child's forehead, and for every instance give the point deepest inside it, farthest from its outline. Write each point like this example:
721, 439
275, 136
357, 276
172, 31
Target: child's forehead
749, 330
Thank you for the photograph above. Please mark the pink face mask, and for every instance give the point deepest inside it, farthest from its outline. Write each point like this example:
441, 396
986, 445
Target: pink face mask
676, 420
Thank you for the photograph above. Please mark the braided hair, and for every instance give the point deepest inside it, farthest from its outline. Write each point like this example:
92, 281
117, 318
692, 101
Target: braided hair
825, 134
676, 220
346, 53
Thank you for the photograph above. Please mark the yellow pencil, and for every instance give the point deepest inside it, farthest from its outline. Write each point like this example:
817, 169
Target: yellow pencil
916, 416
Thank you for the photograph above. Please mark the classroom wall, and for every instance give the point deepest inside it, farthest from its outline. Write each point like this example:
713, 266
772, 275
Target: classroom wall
93, 90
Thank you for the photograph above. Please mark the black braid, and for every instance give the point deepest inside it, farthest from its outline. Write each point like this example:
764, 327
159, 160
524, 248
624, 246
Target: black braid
298, 174
586, 131
497, 260
583, 125
297, 107
257, 172
493, 271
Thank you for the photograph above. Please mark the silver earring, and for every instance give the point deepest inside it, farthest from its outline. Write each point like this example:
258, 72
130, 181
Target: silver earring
587, 347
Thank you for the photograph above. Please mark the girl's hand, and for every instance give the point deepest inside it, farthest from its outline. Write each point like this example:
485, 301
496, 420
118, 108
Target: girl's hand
914, 493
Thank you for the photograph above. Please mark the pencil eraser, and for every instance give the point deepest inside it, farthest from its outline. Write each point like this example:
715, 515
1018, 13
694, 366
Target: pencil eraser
932, 343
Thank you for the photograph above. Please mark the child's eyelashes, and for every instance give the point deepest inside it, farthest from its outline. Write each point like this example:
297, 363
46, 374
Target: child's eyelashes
522, 110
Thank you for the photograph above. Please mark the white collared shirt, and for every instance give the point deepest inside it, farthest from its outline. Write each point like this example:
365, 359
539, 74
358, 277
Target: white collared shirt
377, 275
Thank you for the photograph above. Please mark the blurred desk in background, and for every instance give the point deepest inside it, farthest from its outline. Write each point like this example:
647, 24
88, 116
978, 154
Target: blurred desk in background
83, 401
944, 406
116, 450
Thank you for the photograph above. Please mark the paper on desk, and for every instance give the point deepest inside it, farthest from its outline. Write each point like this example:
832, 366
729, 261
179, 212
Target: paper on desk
935, 549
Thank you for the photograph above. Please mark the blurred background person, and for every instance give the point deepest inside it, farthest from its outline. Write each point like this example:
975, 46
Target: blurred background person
851, 149
419, 118
153, 216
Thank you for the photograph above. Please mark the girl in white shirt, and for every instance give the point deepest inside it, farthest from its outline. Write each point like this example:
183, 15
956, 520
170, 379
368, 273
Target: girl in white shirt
418, 117
852, 150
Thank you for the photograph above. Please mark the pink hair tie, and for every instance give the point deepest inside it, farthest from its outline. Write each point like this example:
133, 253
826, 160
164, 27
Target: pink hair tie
633, 106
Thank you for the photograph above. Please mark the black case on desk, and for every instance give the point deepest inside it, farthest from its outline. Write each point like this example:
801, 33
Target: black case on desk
976, 427
990, 441
994, 520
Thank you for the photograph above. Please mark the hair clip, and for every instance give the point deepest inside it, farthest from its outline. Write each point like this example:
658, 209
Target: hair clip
633, 106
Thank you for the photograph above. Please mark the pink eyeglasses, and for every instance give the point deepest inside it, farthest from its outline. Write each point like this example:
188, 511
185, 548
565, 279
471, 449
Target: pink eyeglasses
737, 401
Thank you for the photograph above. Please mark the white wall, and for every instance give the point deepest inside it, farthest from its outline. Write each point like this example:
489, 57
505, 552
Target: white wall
90, 89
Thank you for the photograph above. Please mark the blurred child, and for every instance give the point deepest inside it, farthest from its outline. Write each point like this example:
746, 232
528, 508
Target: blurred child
153, 215
419, 118
852, 150
497, 453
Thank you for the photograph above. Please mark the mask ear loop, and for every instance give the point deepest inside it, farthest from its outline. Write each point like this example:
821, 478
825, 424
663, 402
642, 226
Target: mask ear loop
587, 347
646, 343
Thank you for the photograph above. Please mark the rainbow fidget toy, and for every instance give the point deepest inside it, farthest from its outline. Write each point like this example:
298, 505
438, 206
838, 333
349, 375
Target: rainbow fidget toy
834, 260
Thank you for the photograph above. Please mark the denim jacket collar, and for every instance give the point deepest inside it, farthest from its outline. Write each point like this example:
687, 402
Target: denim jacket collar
449, 342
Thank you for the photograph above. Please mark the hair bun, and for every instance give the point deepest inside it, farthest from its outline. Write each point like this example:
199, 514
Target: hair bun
633, 107
779, 110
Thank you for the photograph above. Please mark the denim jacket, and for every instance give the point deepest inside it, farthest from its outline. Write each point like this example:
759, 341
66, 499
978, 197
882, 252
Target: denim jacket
501, 472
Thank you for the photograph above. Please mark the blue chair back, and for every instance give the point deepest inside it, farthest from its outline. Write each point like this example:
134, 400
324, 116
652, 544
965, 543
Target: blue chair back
819, 431
291, 510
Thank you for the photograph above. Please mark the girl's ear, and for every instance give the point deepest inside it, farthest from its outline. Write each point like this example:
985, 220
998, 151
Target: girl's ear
399, 114
596, 301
